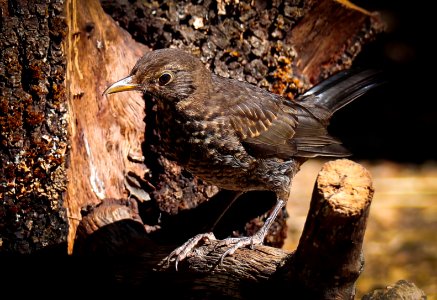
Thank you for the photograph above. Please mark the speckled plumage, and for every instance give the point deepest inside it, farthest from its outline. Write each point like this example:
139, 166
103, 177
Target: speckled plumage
217, 141
234, 134
229, 133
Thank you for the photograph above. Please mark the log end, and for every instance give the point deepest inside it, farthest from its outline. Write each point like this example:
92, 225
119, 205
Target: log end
346, 186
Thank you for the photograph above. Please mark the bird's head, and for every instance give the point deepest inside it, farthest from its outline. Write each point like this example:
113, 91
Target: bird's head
169, 74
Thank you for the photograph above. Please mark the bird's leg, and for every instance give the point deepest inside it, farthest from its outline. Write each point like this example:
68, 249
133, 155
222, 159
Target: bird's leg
257, 238
183, 251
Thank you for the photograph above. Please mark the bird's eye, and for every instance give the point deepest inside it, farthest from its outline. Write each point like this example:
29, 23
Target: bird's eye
165, 78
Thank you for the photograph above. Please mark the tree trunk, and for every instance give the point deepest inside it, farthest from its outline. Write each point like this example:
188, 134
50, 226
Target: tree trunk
33, 126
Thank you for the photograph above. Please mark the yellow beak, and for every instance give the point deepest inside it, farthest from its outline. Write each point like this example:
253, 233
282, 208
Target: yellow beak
122, 85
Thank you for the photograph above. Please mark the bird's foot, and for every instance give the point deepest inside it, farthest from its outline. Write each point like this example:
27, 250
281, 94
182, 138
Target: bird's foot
236, 243
187, 248
233, 243
254, 240
183, 251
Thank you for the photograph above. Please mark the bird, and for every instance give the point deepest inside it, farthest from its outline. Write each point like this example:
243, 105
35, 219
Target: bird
236, 135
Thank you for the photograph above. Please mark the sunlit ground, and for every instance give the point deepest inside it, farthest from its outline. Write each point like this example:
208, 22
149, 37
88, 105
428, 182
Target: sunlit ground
401, 236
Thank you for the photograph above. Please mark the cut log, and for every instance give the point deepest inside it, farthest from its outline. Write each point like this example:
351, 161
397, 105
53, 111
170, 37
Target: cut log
329, 258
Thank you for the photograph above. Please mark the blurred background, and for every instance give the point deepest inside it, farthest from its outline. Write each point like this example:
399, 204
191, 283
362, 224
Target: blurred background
390, 131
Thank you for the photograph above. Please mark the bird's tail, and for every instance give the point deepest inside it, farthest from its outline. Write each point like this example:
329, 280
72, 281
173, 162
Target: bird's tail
318, 105
341, 88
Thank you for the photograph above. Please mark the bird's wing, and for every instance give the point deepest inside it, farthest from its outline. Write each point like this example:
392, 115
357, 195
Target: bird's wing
263, 123
270, 126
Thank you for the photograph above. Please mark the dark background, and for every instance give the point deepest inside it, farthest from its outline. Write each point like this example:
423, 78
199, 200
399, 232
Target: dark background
396, 121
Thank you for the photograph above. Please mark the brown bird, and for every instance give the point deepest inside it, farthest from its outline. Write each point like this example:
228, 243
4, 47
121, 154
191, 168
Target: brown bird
236, 135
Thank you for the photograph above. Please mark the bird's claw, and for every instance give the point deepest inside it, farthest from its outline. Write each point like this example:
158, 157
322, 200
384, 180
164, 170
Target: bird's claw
233, 243
237, 243
183, 251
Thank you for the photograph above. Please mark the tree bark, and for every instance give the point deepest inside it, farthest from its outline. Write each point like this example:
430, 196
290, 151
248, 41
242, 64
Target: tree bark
33, 126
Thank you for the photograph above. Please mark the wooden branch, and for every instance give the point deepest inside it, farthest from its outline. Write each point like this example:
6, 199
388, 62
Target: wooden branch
329, 257
325, 265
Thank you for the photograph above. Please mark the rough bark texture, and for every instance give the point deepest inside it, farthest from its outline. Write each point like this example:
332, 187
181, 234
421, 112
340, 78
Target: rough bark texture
33, 125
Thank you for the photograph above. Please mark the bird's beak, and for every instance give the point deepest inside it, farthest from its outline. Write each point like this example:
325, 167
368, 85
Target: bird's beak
122, 85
